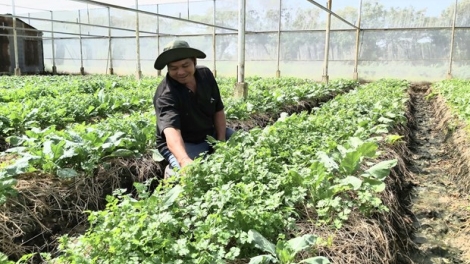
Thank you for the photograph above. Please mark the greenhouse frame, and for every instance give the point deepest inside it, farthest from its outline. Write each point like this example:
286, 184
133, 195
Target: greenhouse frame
331, 131
423, 41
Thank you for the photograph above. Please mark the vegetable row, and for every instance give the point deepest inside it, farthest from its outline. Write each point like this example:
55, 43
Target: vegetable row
252, 189
79, 148
59, 101
457, 96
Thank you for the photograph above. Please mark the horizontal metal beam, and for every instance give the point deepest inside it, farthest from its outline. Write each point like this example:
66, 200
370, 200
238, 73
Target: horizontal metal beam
16, 6
85, 36
339, 29
77, 23
320, 30
248, 33
92, 2
408, 28
228, 34
296, 31
49, 31
22, 36
333, 13
287, 31
272, 60
196, 35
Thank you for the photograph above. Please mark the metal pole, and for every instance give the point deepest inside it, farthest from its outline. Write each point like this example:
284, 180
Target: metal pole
54, 68
241, 88
138, 74
278, 71
82, 70
110, 51
325, 76
188, 8
214, 43
159, 72
88, 16
241, 41
42, 69
15, 40
451, 55
358, 32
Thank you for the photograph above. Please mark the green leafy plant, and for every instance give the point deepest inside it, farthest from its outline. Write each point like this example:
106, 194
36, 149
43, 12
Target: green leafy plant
257, 180
455, 93
79, 147
4, 259
333, 177
24, 259
284, 252
145, 239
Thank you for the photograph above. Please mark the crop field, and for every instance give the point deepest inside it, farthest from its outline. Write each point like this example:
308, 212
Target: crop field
344, 172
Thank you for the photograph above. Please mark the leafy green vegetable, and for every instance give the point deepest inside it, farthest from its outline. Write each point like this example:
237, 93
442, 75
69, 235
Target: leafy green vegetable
258, 180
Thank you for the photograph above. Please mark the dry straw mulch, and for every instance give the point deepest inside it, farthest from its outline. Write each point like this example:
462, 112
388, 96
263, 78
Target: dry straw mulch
457, 134
382, 237
47, 207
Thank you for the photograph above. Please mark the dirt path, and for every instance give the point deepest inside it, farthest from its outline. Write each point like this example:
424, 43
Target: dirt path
441, 212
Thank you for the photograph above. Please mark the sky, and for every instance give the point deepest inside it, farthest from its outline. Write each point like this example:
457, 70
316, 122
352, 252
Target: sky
433, 7
31, 6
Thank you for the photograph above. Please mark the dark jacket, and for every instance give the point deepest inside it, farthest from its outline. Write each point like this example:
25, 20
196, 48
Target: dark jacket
193, 113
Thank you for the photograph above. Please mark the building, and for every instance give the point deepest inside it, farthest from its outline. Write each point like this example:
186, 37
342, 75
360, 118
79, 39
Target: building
30, 47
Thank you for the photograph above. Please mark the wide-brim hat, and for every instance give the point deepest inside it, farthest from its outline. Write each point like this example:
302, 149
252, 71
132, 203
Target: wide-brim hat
175, 51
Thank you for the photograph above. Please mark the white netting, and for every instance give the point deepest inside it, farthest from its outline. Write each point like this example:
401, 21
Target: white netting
405, 39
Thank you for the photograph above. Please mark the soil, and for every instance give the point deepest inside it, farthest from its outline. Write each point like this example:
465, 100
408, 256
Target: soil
441, 210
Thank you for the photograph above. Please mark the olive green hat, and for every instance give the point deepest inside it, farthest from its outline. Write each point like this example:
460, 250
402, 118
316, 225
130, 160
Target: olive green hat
175, 51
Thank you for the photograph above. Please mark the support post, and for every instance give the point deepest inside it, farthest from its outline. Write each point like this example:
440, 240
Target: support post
278, 71
451, 54
54, 68
15, 40
159, 72
358, 33
88, 16
110, 50
325, 77
214, 43
241, 88
82, 69
138, 73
